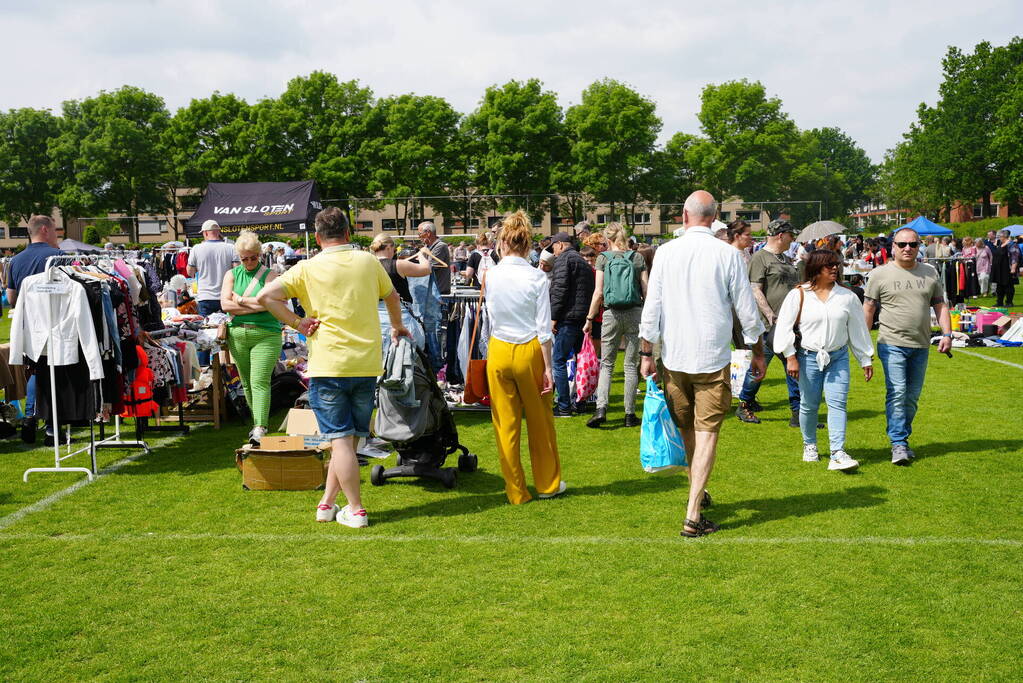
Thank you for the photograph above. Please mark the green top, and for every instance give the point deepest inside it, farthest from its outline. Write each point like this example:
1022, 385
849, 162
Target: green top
775, 274
242, 278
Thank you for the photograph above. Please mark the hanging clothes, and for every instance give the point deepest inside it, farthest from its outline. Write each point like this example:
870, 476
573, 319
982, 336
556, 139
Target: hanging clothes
138, 397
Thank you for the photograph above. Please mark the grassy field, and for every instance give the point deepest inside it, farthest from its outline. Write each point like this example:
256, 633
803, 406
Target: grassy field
166, 569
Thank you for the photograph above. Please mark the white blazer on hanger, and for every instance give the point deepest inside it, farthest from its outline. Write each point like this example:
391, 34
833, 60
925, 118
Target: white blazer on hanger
59, 304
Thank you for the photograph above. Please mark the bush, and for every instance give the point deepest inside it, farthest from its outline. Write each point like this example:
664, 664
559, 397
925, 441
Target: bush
981, 227
91, 235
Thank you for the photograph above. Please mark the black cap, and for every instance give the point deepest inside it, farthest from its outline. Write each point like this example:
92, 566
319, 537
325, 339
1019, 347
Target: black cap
562, 237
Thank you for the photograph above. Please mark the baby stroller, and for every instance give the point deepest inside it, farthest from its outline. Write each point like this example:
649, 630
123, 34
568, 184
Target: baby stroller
413, 415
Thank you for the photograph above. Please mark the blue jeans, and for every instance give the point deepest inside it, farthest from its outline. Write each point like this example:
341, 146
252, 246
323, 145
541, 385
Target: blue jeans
750, 386
207, 307
568, 340
30, 397
833, 383
343, 405
904, 370
408, 318
426, 296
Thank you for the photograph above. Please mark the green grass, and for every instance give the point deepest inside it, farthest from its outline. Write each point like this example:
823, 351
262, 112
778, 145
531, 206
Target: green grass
167, 569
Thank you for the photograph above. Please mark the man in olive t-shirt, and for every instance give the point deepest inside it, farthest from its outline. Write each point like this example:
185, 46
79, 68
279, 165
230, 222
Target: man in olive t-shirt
906, 290
772, 275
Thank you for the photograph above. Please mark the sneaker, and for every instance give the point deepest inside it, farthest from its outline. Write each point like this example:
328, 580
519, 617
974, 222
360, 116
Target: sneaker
912, 455
755, 406
745, 413
368, 451
794, 420
810, 453
356, 520
900, 455
561, 489
840, 460
632, 421
256, 435
558, 412
326, 513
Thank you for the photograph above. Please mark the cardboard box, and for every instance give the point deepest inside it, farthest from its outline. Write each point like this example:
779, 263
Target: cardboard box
302, 422
282, 443
302, 469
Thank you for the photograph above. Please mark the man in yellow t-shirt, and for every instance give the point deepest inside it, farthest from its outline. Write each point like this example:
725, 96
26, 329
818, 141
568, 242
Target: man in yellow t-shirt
339, 289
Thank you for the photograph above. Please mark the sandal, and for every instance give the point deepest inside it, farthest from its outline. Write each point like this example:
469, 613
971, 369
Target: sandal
703, 527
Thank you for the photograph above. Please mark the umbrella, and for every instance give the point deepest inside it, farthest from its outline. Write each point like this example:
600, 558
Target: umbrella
288, 251
173, 245
75, 245
1015, 230
819, 230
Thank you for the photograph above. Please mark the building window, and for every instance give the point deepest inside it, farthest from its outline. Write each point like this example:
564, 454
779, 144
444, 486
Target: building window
474, 223
363, 225
18, 231
641, 219
726, 216
748, 216
149, 227
494, 221
538, 222
392, 224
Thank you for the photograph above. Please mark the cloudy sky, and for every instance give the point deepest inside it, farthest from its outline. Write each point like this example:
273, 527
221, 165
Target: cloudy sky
862, 66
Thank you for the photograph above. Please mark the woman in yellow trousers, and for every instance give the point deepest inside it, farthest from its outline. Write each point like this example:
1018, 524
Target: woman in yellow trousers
519, 364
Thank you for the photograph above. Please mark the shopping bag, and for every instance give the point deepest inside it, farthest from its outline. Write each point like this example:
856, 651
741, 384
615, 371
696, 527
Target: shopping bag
587, 370
740, 366
660, 443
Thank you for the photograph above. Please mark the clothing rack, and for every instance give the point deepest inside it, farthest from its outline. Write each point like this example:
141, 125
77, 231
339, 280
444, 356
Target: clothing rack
52, 265
180, 427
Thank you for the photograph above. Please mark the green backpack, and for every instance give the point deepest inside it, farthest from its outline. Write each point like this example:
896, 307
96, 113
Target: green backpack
620, 288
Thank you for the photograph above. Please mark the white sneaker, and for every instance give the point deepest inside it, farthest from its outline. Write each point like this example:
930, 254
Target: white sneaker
356, 520
372, 452
840, 460
561, 489
256, 435
810, 453
326, 513
900, 455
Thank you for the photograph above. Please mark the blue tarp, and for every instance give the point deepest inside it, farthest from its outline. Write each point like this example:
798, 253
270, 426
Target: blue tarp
924, 227
1015, 230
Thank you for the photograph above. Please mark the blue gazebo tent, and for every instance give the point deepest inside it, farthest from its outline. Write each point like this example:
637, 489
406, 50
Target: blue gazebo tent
925, 228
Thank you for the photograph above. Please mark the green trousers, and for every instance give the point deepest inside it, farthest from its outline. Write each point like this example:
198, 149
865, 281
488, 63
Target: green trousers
255, 352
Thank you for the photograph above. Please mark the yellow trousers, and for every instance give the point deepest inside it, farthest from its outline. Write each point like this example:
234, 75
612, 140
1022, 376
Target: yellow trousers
515, 374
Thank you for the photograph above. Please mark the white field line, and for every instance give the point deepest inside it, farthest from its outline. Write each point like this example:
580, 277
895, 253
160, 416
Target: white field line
49, 500
993, 360
345, 537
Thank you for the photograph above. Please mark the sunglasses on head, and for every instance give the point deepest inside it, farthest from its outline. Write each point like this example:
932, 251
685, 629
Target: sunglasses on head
911, 245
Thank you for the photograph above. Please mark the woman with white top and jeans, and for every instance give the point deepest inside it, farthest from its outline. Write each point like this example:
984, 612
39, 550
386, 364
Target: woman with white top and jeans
830, 320
518, 300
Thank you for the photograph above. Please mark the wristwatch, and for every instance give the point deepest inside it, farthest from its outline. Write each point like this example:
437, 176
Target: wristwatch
946, 334
646, 354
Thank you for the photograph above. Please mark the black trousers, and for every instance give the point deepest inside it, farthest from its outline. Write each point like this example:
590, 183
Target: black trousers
1004, 294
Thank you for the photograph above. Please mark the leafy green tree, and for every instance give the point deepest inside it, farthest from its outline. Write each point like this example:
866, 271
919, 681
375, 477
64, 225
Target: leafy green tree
108, 156
748, 144
521, 133
320, 129
1006, 145
26, 176
612, 133
828, 166
416, 152
671, 179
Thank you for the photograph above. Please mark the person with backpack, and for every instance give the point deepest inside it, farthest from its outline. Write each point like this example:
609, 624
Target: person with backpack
620, 286
481, 260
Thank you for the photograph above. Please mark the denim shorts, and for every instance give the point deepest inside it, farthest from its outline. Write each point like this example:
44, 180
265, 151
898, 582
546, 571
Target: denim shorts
343, 405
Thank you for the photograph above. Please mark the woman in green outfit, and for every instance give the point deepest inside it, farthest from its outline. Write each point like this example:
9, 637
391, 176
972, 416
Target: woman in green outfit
254, 335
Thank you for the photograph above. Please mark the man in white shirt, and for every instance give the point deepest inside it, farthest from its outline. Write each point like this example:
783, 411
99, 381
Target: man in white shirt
209, 262
696, 282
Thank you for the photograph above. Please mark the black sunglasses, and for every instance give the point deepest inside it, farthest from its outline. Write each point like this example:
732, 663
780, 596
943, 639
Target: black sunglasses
911, 245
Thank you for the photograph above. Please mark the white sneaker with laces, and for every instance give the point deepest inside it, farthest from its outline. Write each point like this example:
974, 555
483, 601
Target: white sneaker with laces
810, 453
561, 489
840, 460
256, 435
357, 519
326, 513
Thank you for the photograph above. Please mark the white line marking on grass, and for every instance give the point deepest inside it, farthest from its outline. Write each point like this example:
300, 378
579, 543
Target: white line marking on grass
49, 500
722, 539
993, 360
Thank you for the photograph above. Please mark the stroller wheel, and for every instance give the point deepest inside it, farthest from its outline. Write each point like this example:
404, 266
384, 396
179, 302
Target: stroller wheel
376, 475
468, 462
449, 478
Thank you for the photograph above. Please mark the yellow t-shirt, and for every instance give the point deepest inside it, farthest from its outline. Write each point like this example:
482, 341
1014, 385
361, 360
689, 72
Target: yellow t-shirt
341, 288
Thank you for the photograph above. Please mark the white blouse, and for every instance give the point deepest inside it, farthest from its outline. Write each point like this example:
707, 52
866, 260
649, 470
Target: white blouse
826, 325
518, 299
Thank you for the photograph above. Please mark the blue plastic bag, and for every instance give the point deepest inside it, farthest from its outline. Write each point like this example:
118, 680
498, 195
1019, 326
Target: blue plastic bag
660, 443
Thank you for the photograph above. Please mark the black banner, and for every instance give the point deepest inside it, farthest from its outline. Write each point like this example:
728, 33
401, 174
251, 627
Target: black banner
264, 208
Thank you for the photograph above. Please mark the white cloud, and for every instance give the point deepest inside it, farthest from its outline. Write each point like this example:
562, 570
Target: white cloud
863, 67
